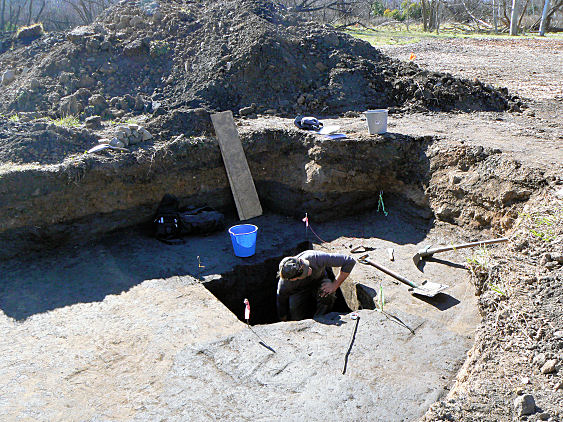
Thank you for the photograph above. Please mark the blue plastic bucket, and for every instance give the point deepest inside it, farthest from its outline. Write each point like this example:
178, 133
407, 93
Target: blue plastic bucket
243, 238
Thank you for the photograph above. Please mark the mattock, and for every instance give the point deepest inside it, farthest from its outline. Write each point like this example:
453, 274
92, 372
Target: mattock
426, 252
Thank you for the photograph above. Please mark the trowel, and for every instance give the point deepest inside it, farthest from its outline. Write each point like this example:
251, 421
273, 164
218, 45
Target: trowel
423, 253
426, 288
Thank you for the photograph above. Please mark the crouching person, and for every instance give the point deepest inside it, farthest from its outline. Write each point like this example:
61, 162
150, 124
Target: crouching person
307, 285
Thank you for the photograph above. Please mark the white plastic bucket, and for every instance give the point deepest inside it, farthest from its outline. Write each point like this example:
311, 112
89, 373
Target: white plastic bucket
377, 121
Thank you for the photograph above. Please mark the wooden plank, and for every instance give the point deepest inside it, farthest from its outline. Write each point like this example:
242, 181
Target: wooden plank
240, 178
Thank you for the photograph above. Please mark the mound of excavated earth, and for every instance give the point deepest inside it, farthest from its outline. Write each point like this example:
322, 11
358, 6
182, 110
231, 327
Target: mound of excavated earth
247, 56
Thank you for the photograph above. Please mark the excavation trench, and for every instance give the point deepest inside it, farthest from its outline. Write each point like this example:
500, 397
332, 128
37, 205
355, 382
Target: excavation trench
180, 307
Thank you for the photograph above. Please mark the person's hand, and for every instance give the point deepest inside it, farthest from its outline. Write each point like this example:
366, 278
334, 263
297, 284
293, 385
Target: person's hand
328, 288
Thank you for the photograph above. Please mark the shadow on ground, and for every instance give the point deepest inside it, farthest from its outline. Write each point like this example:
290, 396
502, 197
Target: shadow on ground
61, 277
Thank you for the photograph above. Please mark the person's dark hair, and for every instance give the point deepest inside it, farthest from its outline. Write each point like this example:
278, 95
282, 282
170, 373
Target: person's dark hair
291, 267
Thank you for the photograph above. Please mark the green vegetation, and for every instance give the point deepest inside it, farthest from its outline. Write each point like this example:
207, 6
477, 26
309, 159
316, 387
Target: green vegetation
67, 121
132, 121
380, 300
396, 33
479, 259
407, 10
159, 48
14, 118
497, 289
541, 225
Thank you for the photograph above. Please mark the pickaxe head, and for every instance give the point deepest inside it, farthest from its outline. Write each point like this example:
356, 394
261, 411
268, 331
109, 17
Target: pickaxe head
420, 255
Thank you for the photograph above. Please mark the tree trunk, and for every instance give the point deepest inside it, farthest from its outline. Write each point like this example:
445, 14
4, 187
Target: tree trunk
544, 18
495, 23
30, 12
425, 15
437, 16
514, 18
2, 22
432, 16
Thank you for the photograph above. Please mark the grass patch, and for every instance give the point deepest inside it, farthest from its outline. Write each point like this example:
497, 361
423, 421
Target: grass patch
541, 226
480, 258
159, 48
67, 121
132, 121
397, 34
36, 28
14, 118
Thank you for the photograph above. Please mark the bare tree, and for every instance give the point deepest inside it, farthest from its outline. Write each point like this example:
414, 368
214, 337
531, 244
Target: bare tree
87, 10
543, 18
514, 18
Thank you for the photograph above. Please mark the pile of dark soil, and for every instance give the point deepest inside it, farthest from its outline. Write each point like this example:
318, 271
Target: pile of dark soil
247, 56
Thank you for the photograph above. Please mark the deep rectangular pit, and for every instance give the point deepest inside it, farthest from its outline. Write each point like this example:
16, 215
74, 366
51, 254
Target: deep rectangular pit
258, 284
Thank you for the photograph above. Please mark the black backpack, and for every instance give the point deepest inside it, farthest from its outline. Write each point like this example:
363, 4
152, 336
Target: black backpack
167, 226
170, 224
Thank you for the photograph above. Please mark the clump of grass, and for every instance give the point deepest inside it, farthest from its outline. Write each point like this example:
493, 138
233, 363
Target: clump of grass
132, 121
67, 121
14, 118
380, 300
159, 48
542, 225
497, 289
479, 259
36, 28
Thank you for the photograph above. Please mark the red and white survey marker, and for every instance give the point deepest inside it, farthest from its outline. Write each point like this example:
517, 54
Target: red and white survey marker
247, 310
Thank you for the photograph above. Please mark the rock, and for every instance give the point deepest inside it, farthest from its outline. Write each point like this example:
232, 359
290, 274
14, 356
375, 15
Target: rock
83, 94
446, 212
545, 259
116, 143
539, 360
69, 106
136, 21
79, 34
93, 122
135, 48
145, 134
544, 416
98, 101
558, 334
524, 405
139, 103
549, 367
104, 141
8, 77
123, 130
558, 257
86, 81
